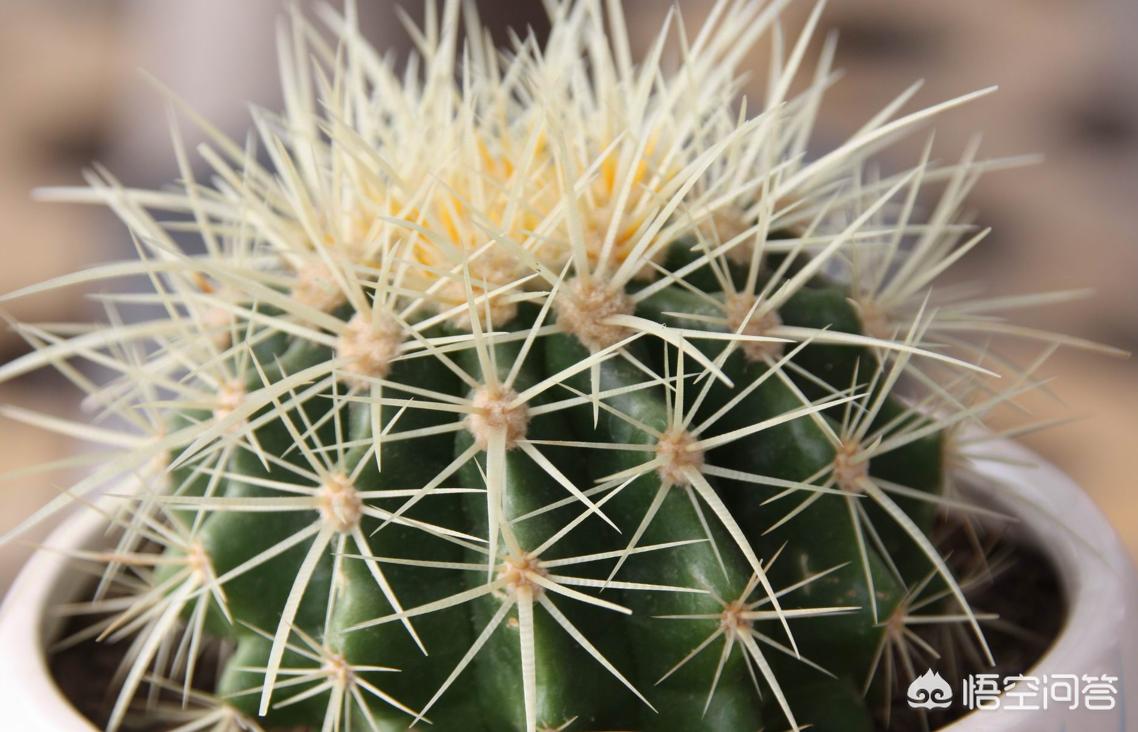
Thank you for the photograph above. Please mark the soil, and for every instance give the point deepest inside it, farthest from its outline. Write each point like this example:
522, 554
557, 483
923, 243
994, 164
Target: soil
1022, 589
85, 672
1027, 598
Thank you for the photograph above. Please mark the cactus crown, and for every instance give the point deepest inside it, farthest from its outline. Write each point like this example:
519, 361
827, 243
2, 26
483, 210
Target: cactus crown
531, 391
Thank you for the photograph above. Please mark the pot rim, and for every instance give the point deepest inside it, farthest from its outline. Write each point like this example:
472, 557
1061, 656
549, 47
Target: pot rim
26, 628
1095, 572
1097, 575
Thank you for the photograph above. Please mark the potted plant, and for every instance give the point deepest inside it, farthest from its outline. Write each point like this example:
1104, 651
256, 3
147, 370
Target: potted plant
549, 391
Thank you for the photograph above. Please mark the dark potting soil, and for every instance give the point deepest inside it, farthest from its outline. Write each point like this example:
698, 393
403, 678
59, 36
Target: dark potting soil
85, 672
1023, 591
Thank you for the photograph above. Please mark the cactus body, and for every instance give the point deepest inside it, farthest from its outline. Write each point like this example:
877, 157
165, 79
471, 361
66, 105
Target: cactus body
342, 585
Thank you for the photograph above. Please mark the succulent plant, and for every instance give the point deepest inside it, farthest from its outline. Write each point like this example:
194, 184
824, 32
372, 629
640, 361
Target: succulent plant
529, 391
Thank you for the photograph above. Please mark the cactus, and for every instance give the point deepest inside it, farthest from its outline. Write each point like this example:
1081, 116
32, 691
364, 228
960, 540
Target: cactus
535, 391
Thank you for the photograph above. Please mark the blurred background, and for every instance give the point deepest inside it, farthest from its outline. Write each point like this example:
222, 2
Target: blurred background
70, 95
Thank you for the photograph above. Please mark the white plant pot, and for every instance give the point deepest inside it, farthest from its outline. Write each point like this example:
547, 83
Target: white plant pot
1100, 635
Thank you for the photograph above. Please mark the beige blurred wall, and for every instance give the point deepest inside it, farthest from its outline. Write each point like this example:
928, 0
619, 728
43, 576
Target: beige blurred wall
1068, 72
61, 72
